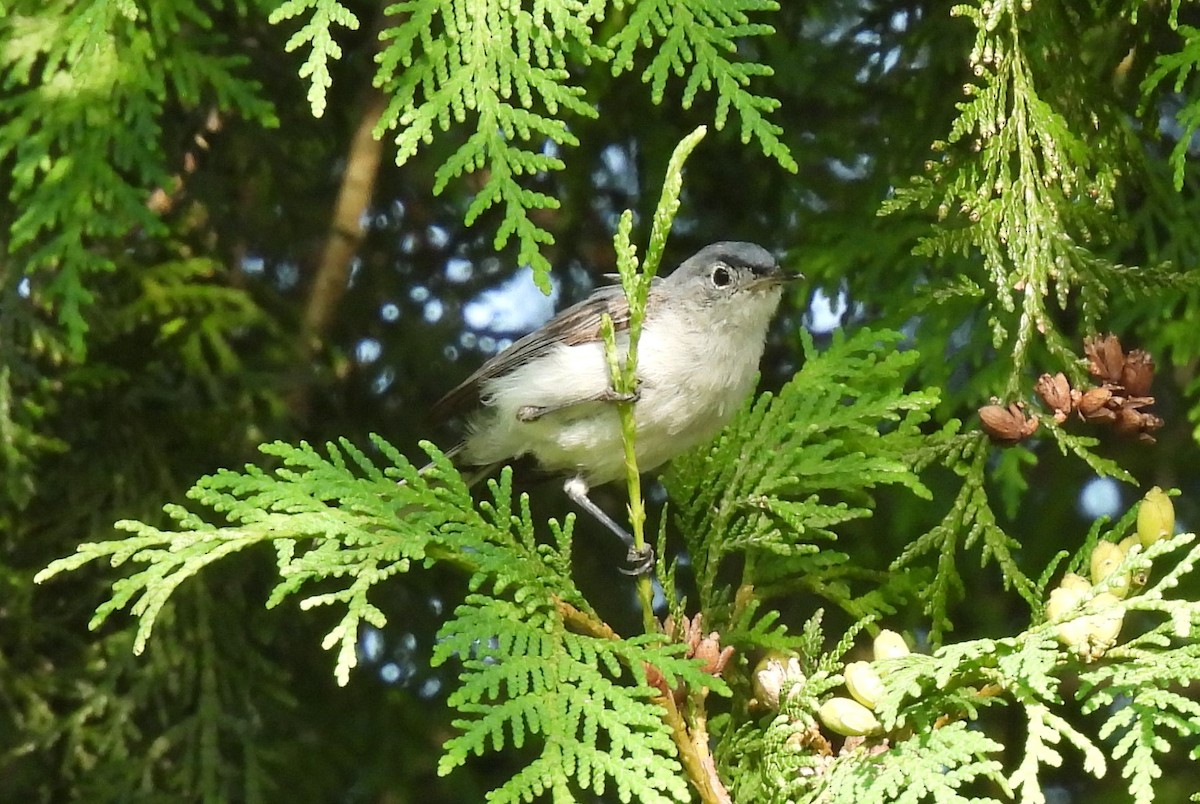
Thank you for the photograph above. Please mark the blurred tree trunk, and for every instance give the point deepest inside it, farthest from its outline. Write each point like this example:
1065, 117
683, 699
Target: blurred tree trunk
346, 234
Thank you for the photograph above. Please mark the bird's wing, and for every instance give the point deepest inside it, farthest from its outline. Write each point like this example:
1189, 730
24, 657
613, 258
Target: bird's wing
577, 324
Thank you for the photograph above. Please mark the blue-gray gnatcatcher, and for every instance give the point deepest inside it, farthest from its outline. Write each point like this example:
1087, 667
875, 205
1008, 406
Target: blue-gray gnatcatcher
549, 397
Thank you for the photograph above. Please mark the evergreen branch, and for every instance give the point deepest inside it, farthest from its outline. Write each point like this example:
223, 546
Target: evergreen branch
503, 66
1134, 689
1045, 730
697, 39
1027, 192
199, 316
932, 765
622, 371
339, 518
623, 368
664, 211
535, 679
1028, 667
751, 629
924, 696
792, 466
501, 70
316, 33
1081, 446
1183, 65
971, 519
74, 118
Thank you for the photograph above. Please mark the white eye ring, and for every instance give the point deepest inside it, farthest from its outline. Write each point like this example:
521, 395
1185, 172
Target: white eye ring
721, 277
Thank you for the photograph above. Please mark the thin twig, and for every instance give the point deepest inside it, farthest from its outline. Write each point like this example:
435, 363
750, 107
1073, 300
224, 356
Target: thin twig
693, 750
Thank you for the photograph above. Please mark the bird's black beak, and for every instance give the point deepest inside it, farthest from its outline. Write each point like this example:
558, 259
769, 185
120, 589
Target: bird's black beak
775, 275
786, 278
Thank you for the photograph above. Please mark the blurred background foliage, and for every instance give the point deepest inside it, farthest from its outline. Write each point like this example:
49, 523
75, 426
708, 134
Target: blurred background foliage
174, 222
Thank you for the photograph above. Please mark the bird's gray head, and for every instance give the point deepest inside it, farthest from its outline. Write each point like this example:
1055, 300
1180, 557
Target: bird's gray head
726, 271
729, 267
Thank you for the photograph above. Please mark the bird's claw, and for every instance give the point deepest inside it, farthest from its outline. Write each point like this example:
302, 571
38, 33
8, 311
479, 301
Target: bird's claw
531, 413
631, 396
641, 562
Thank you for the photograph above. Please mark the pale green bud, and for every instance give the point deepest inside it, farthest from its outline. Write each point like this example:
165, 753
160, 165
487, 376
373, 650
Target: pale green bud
1062, 600
1089, 635
1106, 557
1140, 576
848, 718
863, 683
890, 645
1076, 582
1105, 625
1073, 634
1129, 542
1156, 517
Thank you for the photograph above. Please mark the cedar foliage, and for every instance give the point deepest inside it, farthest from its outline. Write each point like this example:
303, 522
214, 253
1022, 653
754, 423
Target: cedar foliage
1055, 202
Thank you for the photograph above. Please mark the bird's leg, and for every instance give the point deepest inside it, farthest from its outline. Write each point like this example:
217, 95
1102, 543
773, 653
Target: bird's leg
641, 561
531, 413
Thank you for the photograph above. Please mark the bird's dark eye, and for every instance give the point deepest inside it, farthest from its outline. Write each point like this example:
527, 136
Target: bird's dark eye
721, 276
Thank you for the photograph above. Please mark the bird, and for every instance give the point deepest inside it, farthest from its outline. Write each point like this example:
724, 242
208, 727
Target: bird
548, 397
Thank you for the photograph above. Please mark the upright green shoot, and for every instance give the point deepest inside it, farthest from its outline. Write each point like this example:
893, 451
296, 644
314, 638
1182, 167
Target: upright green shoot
623, 369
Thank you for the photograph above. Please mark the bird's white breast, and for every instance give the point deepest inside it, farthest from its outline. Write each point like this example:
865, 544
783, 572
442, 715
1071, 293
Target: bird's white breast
694, 371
